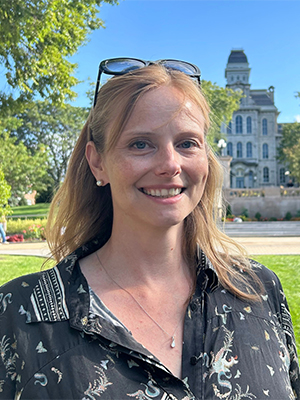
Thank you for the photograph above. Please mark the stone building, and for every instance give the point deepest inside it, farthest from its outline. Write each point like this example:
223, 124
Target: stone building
252, 135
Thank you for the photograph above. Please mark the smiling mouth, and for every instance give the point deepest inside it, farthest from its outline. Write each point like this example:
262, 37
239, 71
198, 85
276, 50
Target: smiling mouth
162, 193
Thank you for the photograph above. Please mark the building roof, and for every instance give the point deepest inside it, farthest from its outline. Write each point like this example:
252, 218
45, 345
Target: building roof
237, 56
261, 99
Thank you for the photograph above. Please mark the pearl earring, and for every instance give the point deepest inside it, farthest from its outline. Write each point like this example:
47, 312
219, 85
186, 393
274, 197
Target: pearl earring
99, 183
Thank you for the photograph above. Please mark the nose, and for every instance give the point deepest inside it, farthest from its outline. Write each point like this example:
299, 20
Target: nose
168, 162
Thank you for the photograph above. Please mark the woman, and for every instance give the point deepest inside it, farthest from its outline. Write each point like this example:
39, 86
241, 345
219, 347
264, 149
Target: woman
149, 299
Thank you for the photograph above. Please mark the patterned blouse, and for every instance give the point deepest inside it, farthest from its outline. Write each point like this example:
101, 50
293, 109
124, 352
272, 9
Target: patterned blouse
59, 341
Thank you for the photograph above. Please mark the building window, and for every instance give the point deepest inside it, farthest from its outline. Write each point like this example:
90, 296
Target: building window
265, 151
249, 125
238, 124
249, 150
229, 128
229, 149
239, 150
266, 174
250, 179
264, 126
282, 175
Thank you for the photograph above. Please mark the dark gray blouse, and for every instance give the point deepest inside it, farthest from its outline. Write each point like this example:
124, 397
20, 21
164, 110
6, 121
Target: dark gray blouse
59, 341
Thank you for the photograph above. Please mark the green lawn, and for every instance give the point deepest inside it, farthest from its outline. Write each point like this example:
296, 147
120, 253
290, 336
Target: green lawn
286, 267
13, 266
38, 209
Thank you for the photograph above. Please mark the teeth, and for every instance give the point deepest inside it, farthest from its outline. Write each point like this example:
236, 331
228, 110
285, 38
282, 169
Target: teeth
163, 192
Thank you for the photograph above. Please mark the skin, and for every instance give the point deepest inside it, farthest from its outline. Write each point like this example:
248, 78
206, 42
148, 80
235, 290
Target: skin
157, 174
160, 149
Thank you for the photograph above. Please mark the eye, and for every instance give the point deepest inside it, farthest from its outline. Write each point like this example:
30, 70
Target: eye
187, 144
139, 145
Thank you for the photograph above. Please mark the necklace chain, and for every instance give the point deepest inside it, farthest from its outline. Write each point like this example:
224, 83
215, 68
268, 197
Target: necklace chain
172, 337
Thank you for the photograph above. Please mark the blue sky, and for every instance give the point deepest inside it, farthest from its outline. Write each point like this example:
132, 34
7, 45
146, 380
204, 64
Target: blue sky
204, 33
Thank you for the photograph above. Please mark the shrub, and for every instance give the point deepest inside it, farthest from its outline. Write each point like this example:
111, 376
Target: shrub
272, 219
31, 229
258, 216
288, 216
245, 213
228, 210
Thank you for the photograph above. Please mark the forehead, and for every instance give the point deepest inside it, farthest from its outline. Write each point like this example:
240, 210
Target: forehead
161, 106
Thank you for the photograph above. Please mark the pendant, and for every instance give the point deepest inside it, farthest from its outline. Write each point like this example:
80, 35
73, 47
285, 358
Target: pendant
173, 342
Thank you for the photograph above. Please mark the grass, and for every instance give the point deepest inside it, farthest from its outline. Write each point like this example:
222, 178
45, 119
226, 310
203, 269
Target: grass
38, 209
13, 266
286, 267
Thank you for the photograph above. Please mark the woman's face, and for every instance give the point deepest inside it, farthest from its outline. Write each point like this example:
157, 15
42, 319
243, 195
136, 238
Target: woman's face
158, 169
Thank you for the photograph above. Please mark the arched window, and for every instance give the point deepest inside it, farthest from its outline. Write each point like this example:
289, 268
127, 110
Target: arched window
265, 151
249, 125
249, 150
229, 149
266, 174
229, 128
264, 126
282, 175
238, 124
239, 150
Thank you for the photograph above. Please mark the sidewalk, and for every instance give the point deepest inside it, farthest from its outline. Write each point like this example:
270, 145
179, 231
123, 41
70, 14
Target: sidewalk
254, 246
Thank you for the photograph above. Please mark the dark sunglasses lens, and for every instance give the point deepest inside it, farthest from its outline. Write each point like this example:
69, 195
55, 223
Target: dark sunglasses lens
122, 65
181, 66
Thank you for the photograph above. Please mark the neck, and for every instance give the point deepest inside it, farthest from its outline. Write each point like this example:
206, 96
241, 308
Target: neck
152, 255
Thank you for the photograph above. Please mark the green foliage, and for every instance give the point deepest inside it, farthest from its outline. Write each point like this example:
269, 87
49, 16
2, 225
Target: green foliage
228, 210
31, 229
37, 40
258, 216
289, 149
223, 102
23, 172
245, 213
56, 128
288, 216
4, 195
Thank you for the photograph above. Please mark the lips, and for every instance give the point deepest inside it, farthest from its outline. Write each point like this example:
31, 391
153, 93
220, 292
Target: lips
162, 193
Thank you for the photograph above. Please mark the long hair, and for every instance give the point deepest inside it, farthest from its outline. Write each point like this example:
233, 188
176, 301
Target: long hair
81, 211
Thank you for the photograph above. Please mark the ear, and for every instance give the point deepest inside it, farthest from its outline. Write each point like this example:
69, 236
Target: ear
95, 161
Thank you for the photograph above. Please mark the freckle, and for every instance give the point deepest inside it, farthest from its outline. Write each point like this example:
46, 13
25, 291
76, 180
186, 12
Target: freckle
172, 249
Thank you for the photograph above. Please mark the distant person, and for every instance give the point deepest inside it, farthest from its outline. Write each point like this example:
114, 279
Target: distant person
2, 230
290, 183
149, 300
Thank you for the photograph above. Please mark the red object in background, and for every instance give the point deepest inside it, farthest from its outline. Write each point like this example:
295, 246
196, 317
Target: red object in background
15, 238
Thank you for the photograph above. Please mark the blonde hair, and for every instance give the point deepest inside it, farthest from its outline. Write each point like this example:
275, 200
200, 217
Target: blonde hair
81, 211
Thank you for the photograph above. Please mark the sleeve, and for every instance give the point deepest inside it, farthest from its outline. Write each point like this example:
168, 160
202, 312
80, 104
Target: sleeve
287, 326
8, 355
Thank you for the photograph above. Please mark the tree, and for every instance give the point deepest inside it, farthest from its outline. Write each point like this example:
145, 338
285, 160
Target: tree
4, 195
57, 129
38, 37
289, 149
22, 170
223, 102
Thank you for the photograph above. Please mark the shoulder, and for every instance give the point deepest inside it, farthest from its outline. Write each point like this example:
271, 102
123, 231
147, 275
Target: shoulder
272, 286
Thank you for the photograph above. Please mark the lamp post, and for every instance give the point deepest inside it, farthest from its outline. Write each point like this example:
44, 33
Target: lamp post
222, 145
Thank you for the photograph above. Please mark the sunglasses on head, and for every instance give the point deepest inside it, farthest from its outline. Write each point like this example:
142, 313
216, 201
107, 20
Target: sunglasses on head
121, 66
